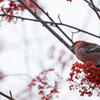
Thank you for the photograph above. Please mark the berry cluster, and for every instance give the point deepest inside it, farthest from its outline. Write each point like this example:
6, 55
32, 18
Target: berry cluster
85, 77
47, 83
14, 8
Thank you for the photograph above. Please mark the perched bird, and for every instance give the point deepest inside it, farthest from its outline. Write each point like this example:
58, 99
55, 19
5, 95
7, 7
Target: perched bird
86, 51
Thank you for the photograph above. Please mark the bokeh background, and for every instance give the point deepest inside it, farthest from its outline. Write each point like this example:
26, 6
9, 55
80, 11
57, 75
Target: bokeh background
25, 48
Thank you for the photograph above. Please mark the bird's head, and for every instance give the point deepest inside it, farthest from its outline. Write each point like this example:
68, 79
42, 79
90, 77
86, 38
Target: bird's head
76, 45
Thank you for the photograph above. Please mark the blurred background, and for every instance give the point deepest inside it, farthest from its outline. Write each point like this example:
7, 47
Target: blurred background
28, 48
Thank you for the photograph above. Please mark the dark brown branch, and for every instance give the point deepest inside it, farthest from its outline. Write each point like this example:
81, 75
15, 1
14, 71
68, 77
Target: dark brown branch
52, 23
33, 1
45, 25
91, 5
94, 8
59, 19
10, 94
3, 10
23, 18
6, 96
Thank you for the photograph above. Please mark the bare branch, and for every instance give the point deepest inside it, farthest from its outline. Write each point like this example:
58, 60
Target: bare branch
72, 36
10, 93
95, 10
16, 75
51, 23
91, 5
33, 1
45, 25
59, 18
6, 96
3, 10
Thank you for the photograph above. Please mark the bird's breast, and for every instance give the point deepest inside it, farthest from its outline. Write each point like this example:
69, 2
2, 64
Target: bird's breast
84, 57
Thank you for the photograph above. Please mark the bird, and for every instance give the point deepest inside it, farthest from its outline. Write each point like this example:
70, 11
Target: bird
86, 51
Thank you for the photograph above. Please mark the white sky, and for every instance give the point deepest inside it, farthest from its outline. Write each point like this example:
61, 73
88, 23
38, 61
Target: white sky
24, 46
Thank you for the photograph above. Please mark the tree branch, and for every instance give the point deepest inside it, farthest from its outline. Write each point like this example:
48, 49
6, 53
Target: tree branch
45, 25
6, 96
16, 75
52, 24
91, 5
33, 1
94, 8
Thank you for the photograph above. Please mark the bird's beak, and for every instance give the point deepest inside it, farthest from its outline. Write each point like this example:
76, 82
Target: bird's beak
72, 47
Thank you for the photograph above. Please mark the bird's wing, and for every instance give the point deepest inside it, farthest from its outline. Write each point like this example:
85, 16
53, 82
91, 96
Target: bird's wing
91, 48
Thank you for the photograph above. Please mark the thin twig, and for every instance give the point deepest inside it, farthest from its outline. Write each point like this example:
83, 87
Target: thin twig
17, 75
3, 10
59, 18
6, 96
10, 93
